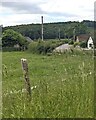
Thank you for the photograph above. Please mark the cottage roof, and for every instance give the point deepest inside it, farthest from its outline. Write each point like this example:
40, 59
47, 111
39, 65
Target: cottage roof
83, 37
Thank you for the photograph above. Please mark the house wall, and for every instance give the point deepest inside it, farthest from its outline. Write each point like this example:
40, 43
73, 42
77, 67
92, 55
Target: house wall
90, 43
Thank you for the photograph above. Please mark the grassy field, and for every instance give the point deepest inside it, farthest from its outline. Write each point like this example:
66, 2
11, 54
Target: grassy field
62, 86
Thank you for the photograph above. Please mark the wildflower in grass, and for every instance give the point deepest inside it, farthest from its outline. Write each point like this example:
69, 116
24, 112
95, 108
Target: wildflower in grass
18, 91
11, 92
12, 115
33, 87
83, 64
90, 73
65, 70
15, 91
63, 80
23, 90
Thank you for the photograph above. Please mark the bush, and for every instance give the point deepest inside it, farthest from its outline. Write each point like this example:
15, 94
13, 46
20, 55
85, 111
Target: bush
71, 42
40, 47
66, 40
43, 47
11, 38
83, 44
76, 43
32, 47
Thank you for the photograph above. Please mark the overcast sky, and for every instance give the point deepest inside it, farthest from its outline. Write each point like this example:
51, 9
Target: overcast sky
30, 11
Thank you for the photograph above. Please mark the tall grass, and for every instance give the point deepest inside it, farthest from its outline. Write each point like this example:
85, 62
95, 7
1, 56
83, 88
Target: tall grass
62, 86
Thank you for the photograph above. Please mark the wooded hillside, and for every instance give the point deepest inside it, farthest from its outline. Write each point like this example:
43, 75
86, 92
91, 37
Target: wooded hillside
53, 30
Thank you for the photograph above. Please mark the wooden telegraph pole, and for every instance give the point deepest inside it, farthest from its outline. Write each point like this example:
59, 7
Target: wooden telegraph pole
26, 76
74, 34
42, 27
59, 34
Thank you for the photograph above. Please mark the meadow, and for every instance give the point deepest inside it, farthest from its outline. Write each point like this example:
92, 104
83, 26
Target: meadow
62, 85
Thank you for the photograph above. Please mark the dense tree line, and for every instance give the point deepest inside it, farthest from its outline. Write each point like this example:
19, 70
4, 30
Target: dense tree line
53, 30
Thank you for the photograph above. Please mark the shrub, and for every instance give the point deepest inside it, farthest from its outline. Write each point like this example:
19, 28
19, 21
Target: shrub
71, 42
43, 47
32, 47
66, 40
76, 43
83, 44
11, 38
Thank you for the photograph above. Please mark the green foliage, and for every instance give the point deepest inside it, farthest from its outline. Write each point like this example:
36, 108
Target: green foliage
43, 47
66, 41
51, 30
76, 44
11, 38
71, 42
32, 47
83, 44
37, 47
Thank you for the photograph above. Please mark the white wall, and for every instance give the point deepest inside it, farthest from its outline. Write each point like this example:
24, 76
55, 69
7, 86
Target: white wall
90, 43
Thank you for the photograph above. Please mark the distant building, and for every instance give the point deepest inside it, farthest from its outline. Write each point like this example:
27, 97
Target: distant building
86, 38
82, 37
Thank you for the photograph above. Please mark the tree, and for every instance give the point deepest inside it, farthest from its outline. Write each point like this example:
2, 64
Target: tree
51, 30
11, 38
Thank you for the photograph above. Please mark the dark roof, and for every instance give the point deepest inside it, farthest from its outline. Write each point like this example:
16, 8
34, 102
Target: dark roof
83, 37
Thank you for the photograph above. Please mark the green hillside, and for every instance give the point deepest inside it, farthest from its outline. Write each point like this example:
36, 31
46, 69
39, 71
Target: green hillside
52, 30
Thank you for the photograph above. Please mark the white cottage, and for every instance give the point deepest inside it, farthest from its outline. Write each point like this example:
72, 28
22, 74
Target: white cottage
87, 38
90, 44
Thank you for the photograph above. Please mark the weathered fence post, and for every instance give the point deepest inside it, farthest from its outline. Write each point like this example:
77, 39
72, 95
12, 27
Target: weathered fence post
26, 76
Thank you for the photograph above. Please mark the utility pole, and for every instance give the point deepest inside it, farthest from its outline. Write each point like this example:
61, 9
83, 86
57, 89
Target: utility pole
1, 26
74, 34
59, 34
42, 27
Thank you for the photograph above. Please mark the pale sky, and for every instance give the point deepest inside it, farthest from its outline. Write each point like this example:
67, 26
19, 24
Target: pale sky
16, 12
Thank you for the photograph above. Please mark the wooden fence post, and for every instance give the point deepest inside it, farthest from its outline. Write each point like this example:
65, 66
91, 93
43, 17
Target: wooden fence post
26, 76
